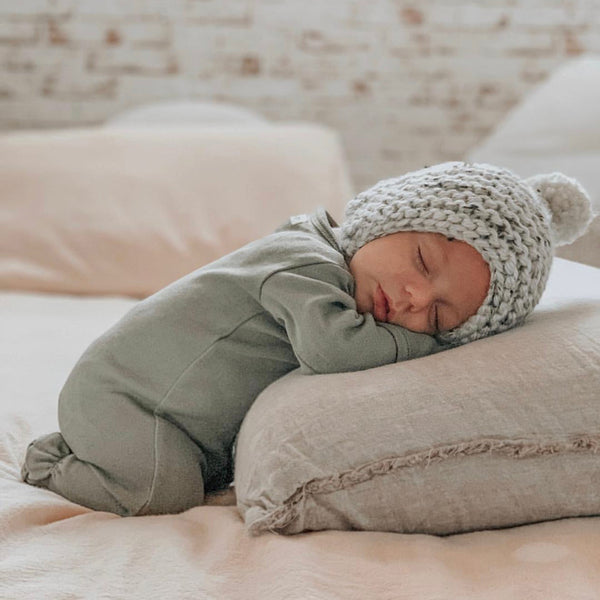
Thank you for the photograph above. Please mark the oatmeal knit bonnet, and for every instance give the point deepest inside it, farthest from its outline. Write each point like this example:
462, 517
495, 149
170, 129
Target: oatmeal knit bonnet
514, 223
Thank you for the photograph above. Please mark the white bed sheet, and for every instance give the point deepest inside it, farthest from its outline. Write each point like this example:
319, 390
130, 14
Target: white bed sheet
52, 548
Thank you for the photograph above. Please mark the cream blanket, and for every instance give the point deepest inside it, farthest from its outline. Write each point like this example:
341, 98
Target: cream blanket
51, 548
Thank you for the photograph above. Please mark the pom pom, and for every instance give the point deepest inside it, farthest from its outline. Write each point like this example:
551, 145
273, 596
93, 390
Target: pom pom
569, 203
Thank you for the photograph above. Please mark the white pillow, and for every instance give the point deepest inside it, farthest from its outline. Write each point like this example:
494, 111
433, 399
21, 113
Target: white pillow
556, 128
562, 115
186, 113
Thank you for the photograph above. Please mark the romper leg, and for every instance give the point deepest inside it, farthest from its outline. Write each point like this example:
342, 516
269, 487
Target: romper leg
178, 481
115, 456
175, 485
50, 463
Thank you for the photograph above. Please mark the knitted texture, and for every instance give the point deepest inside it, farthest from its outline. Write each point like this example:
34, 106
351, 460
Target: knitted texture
514, 224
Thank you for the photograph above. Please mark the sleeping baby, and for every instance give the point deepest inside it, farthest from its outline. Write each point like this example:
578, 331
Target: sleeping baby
421, 263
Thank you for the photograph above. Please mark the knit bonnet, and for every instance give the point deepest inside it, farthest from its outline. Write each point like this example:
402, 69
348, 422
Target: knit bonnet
514, 223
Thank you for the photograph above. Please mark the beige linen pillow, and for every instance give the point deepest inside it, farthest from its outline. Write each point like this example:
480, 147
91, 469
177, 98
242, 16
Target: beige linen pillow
499, 432
127, 211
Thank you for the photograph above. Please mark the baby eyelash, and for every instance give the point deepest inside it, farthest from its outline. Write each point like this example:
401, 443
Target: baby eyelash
421, 261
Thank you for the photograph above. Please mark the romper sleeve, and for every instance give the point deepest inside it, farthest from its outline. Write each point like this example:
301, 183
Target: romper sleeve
316, 306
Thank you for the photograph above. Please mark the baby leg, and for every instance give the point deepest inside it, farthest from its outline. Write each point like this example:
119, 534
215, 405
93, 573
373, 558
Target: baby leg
135, 464
50, 463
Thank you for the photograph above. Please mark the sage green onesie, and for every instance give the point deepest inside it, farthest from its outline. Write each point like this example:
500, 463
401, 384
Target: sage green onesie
150, 412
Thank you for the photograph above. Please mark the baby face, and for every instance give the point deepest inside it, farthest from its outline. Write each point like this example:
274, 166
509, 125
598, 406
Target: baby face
421, 281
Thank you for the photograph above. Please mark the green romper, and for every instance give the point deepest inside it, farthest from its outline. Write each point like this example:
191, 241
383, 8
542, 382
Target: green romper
150, 412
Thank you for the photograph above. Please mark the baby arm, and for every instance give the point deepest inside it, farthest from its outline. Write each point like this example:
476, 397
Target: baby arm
315, 305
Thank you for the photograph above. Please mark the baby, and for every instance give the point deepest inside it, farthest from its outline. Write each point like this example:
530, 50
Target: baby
424, 262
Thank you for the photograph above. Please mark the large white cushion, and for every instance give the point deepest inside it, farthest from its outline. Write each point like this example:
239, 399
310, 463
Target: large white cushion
127, 211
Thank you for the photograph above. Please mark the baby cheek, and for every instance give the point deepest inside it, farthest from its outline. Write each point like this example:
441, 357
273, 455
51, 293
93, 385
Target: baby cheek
414, 322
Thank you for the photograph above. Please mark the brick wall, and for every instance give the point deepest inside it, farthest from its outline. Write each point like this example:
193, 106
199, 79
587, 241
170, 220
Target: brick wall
406, 83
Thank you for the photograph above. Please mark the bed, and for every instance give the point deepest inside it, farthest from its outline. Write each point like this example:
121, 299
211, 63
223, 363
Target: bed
72, 268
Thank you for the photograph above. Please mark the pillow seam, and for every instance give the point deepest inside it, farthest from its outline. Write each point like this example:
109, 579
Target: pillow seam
520, 448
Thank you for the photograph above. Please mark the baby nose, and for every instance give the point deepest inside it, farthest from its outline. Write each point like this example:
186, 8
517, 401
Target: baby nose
420, 296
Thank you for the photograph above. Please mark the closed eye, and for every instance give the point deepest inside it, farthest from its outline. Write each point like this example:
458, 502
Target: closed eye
424, 269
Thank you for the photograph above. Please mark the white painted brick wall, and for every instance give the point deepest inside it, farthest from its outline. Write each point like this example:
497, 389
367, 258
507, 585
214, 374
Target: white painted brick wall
405, 82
